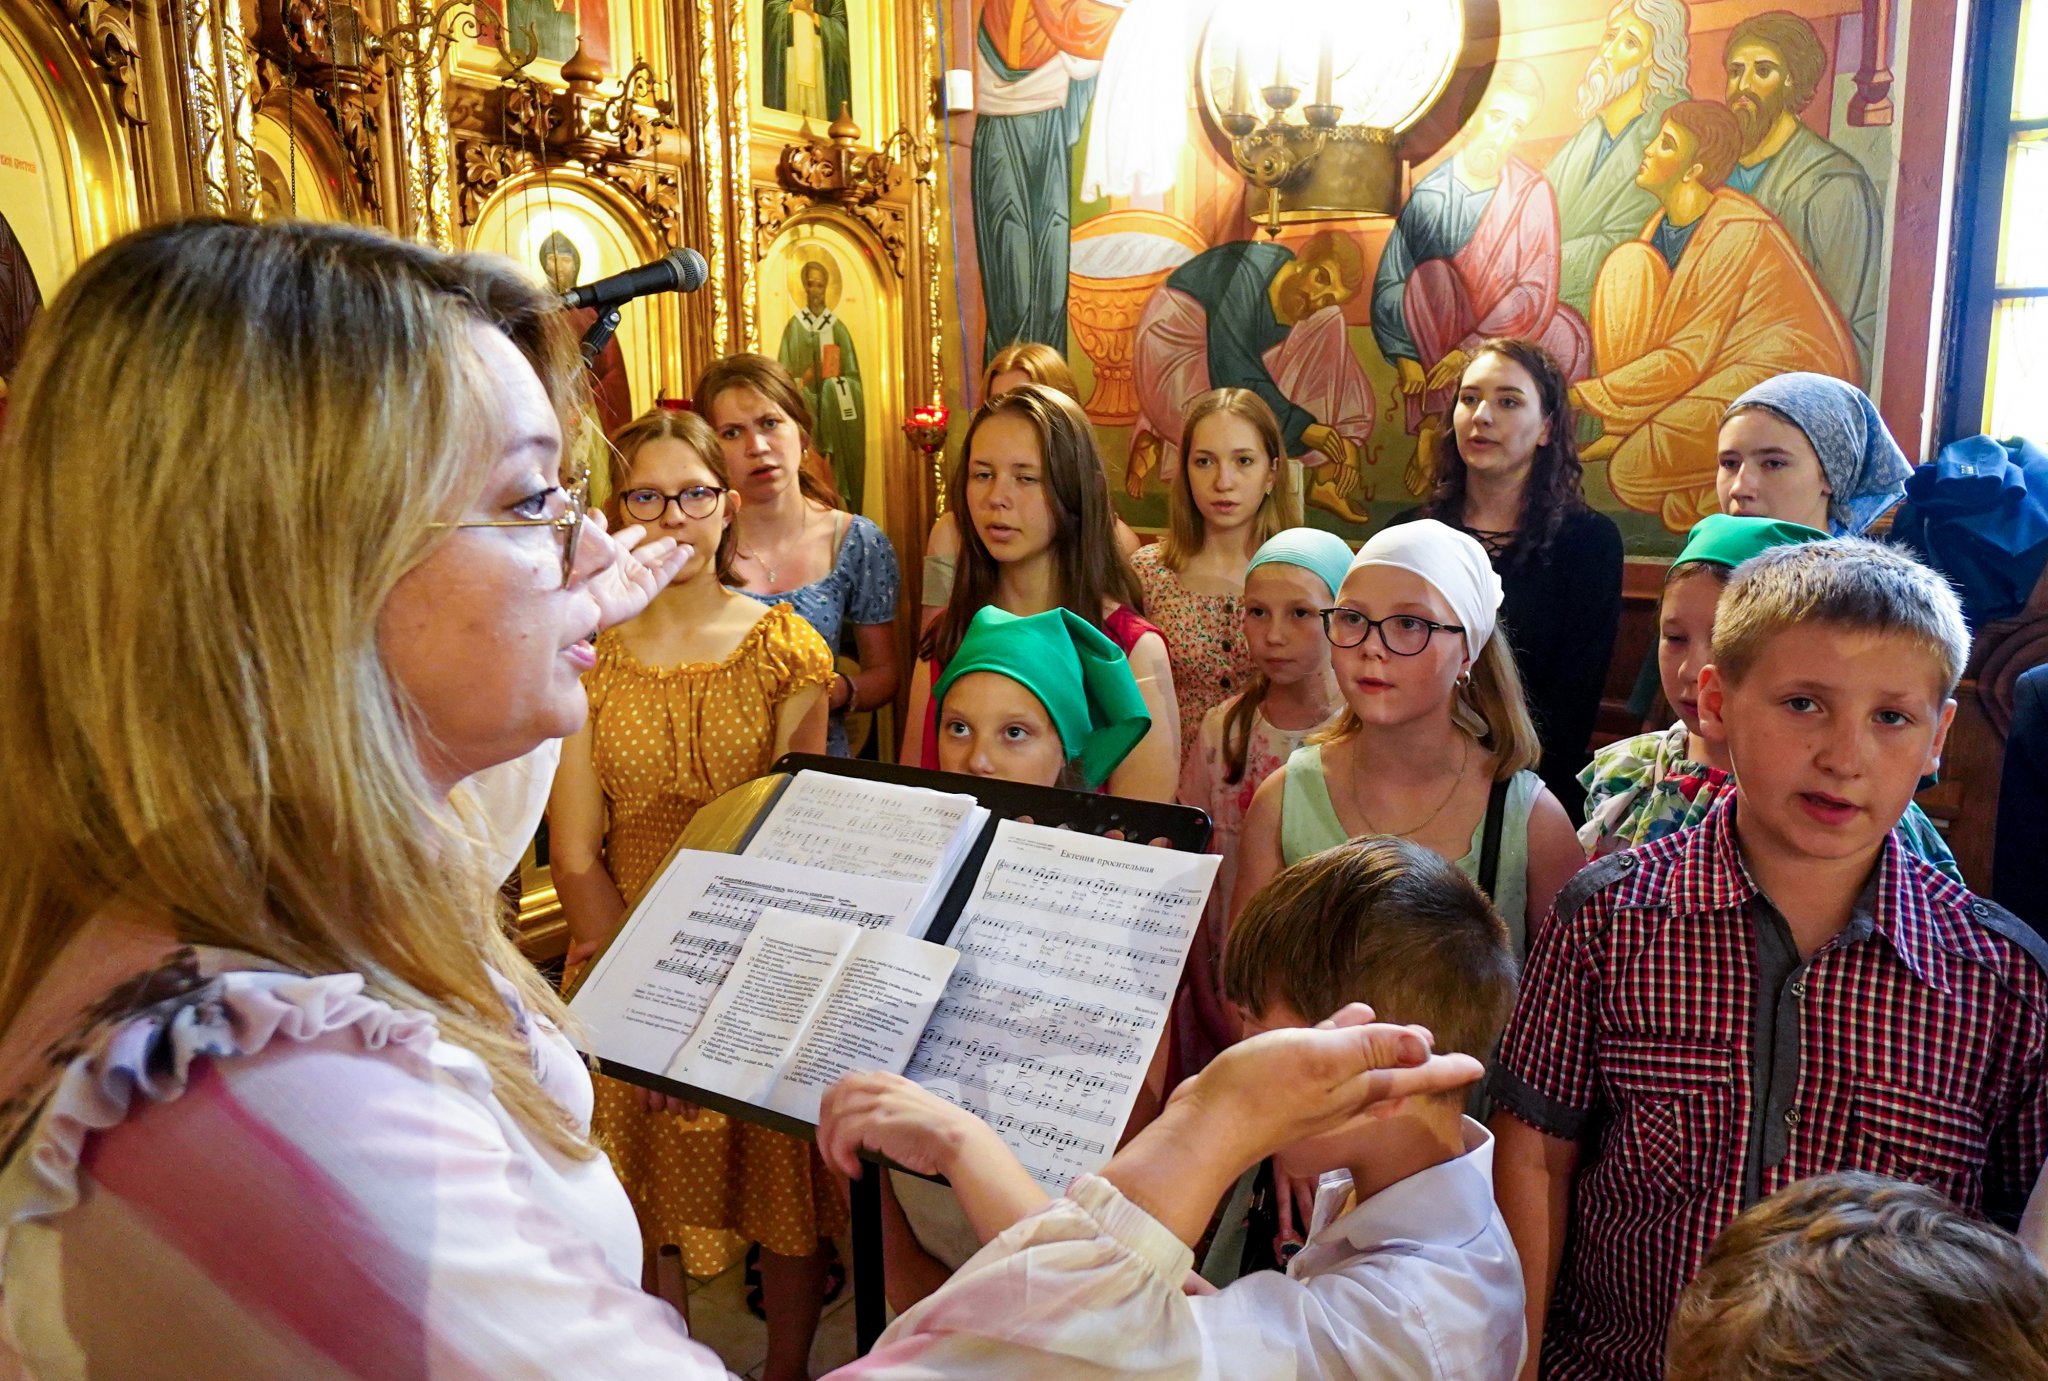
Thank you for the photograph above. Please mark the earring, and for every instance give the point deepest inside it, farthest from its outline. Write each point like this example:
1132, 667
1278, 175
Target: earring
1464, 712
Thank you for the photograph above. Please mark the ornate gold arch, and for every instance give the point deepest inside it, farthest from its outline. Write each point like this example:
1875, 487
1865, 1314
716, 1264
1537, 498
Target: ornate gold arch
83, 62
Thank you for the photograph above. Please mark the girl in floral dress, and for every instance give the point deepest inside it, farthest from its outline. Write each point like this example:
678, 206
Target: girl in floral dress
1231, 494
1290, 694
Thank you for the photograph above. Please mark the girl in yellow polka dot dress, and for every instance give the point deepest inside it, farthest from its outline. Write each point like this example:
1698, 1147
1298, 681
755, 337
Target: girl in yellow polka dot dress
697, 695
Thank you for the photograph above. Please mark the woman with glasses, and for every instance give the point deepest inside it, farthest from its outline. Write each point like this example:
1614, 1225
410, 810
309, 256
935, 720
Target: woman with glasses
1436, 743
697, 695
795, 545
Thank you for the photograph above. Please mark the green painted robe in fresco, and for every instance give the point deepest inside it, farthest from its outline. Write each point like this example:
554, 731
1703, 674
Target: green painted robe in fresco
1827, 205
1599, 205
833, 395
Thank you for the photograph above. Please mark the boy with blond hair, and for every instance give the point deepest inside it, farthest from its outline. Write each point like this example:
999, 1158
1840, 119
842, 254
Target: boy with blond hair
1408, 1270
1780, 991
1855, 1275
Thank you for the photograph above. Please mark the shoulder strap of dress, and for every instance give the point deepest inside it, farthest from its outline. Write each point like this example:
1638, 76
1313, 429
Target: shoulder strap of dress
1489, 839
842, 524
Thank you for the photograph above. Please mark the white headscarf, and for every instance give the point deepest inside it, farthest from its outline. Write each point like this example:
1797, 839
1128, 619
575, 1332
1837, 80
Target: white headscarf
1453, 563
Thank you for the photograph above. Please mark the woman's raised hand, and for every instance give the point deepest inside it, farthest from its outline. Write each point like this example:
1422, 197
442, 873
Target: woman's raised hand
641, 571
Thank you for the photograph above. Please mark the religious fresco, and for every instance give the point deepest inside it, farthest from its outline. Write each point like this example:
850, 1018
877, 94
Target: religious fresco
1673, 198
824, 314
560, 233
551, 27
811, 59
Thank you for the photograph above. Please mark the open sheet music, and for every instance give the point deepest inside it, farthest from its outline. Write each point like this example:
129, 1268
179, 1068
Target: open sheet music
764, 980
875, 829
647, 993
1071, 947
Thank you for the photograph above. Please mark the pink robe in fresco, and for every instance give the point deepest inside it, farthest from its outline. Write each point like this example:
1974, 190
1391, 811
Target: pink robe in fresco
1502, 283
1314, 368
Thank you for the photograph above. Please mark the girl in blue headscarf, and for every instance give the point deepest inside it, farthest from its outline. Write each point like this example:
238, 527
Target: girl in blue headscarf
1809, 449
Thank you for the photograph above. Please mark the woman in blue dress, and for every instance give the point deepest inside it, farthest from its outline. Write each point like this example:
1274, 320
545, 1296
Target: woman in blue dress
796, 546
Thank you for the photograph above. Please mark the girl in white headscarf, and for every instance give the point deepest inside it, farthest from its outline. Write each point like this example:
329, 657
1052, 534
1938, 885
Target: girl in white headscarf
1436, 738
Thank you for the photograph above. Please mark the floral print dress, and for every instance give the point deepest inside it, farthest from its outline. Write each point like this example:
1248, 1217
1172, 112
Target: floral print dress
1203, 640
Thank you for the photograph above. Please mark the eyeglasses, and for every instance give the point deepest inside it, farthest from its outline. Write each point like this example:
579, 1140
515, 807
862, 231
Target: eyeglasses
647, 505
1404, 635
568, 525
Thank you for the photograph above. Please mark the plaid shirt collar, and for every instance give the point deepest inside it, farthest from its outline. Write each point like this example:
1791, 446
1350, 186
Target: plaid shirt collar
1708, 876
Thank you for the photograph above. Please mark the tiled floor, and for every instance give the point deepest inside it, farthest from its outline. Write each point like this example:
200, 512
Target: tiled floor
720, 1320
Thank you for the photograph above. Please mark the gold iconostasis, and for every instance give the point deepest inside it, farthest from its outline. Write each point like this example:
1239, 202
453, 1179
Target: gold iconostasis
578, 138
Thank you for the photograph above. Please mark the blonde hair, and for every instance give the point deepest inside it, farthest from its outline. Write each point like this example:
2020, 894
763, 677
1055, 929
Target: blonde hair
1852, 1274
200, 723
1486, 703
674, 424
1850, 582
1187, 531
1038, 363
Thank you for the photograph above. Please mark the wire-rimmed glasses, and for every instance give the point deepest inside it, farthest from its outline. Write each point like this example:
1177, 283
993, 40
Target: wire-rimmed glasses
568, 525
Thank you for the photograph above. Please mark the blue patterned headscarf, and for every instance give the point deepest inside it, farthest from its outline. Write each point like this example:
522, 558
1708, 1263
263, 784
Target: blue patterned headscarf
1864, 467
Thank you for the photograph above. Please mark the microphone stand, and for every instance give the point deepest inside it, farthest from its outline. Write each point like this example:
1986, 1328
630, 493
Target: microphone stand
600, 334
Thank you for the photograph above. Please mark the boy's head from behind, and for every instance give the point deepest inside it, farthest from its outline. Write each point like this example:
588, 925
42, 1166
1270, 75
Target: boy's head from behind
1381, 921
1854, 1275
1832, 667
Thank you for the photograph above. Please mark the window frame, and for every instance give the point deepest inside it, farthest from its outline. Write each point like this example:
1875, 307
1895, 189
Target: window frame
1988, 128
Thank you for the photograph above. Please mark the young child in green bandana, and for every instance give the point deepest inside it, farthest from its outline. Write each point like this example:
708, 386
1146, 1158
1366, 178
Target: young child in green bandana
1048, 700
1045, 699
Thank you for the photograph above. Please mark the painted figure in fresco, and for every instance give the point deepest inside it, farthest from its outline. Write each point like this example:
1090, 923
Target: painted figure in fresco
1271, 319
818, 350
806, 57
1474, 254
557, 30
1822, 196
1710, 299
1638, 73
1035, 63
611, 393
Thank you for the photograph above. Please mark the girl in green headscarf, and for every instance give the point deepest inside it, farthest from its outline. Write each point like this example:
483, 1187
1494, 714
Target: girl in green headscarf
1043, 698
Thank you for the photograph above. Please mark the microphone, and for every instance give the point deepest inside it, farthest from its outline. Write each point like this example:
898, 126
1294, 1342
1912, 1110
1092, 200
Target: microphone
680, 270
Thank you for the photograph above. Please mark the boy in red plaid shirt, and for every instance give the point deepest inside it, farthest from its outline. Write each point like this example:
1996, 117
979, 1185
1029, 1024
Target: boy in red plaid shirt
1781, 991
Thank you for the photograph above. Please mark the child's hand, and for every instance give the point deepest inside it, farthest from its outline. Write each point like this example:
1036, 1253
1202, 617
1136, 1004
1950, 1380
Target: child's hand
1295, 1200
889, 1115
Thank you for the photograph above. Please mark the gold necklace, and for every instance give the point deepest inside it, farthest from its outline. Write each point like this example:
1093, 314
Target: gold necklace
1464, 760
